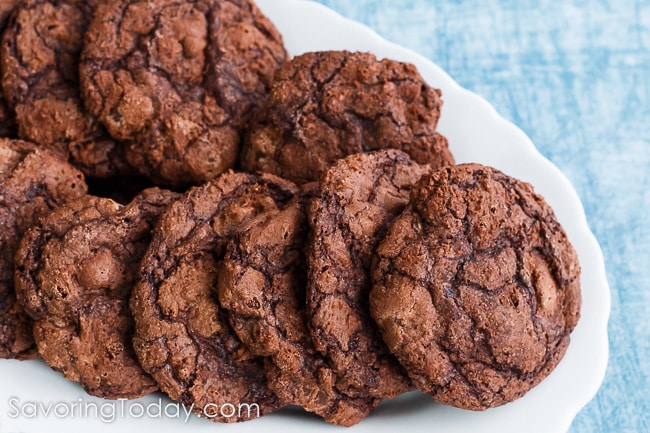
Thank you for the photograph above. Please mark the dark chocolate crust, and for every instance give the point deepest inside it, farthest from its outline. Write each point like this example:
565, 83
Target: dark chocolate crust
358, 198
178, 81
476, 287
40, 80
183, 338
262, 283
74, 275
324, 106
32, 183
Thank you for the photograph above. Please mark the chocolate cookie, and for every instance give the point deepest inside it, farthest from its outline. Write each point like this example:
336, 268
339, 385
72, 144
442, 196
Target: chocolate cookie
487, 285
32, 182
7, 125
262, 283
183, 338
40, 58
324, 106
178, 80
358, 197
74, 274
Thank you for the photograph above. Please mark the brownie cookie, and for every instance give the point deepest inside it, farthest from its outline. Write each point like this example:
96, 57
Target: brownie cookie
178, 80
183, 338
358, 197
32, 182
74, 274
40, 57
324, 106
261, 283
476, 287
6, 117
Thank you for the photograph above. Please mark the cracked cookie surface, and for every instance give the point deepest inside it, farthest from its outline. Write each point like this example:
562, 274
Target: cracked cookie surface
262, 284
324, 106
183, 338
7, 125
178, 80
358, 197
74, 274
476, 287
32, 183
40, 80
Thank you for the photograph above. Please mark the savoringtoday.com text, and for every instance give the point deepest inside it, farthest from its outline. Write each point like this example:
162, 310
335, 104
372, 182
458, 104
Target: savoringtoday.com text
110, 411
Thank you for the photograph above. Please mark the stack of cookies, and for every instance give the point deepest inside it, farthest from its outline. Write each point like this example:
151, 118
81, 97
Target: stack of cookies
259, 229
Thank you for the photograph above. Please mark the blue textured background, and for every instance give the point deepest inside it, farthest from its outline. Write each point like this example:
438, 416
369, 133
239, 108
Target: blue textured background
575, 76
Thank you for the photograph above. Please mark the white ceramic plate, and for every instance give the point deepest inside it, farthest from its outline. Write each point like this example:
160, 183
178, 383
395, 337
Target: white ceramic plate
476, 133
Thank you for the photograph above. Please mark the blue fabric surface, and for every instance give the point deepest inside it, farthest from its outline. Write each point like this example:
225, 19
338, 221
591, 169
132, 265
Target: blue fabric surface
575, 76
